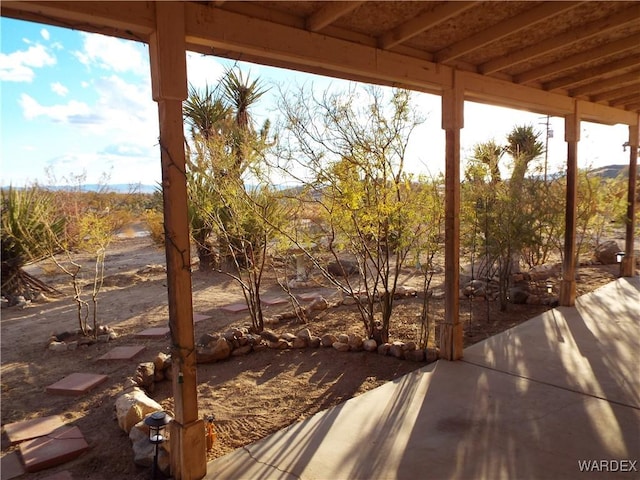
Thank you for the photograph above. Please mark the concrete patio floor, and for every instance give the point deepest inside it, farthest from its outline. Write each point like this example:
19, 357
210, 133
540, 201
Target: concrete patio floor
530, 403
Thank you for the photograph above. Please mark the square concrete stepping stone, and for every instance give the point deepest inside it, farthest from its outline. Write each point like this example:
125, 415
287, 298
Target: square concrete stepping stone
11, 466
235, 307
76, 384
60, 446
37, 427
155, 332
275, 300
123, 353
198, 317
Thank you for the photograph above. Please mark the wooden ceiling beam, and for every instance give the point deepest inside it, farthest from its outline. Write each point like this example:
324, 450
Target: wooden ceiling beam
421, 23
503, 29
616, 93
632, 97
607, 84
564, 40
592, 73
578, 59
329, 13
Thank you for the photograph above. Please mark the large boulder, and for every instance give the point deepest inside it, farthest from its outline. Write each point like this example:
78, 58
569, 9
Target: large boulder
606, 252
221, 350
133, 406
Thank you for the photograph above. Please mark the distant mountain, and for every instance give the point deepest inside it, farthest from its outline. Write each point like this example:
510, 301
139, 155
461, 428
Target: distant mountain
116, 187
610, 171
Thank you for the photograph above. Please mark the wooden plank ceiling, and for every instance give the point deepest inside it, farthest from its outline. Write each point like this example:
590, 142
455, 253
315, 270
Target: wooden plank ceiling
533, 55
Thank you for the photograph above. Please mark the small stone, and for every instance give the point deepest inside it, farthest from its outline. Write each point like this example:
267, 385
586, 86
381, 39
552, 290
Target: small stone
415, 355
160, 362
72, 345
289, 337
103, 338
409, 346
269, 336
396, 349
328, 339
145, 373
112, 335
259, 346
343, 338
221, 350
206, 339
383, 349
128, 383
314, 342
241, 351
229, 335
318, 304
341, 346
58, 347
370, 345
279, 344
355, 343
432, 354
158, 375
304, 333
299, 342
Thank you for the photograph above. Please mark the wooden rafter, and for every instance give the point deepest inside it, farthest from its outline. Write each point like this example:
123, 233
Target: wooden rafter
592, 73
576, 60
616, 93
421, 23
329, 13
503, 29
561, 41
607, 84
632, 97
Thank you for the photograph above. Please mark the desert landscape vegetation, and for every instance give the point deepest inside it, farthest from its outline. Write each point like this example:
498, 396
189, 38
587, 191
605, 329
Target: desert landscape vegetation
353, 245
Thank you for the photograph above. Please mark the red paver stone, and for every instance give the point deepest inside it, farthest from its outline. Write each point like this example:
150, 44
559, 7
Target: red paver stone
26, 430
60, 446
198, 317
309, 295
274, 300
123, 353
235, 307
153, 332
77, 384
11, 466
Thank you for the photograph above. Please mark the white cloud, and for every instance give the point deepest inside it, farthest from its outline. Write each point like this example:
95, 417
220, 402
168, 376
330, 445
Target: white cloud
110, 53
203, 69
71, 112
45, 33
18, 66
60, 89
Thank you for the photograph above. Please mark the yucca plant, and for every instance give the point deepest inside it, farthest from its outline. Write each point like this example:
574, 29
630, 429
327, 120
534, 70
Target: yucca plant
31, 230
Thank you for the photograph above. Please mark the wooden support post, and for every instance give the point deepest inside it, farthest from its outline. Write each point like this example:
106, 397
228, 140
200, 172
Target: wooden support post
169, 85
451, 334
627, 268
568, 284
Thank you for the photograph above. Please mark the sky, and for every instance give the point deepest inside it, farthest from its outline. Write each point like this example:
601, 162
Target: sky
75, 105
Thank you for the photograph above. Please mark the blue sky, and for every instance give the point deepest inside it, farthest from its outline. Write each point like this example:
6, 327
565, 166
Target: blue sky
74, 104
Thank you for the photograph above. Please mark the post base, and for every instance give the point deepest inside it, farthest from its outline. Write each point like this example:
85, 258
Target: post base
627, 266
567, 293
451, 344
188, 450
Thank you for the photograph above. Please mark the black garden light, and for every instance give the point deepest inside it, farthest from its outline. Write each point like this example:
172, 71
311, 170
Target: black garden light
157, 423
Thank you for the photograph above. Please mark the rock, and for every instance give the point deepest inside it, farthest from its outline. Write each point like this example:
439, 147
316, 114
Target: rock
133, 406
383, 349
409, 346
269, 336
415, 355
299, 342
355, 343
534, 300
396, 349
518, 295
432, 354
314, 342
340, 346
241, 351
280, 344
158, 375
144, 450
229, 335
343, 268
370, 345
289, 337
304, 333
162, 361
104, 338
405, 291
328, 339
128, 383
112, 335
58, 346
343, 338
221, 350
145, 374
318, 304
606, 252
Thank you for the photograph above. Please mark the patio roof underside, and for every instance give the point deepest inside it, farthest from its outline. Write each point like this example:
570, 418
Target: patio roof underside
555, 58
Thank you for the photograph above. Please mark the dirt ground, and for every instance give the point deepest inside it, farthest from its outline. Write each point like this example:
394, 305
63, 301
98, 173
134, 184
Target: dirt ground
251, 396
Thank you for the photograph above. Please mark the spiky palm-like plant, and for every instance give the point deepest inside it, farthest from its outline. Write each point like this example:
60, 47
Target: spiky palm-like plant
31, 230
